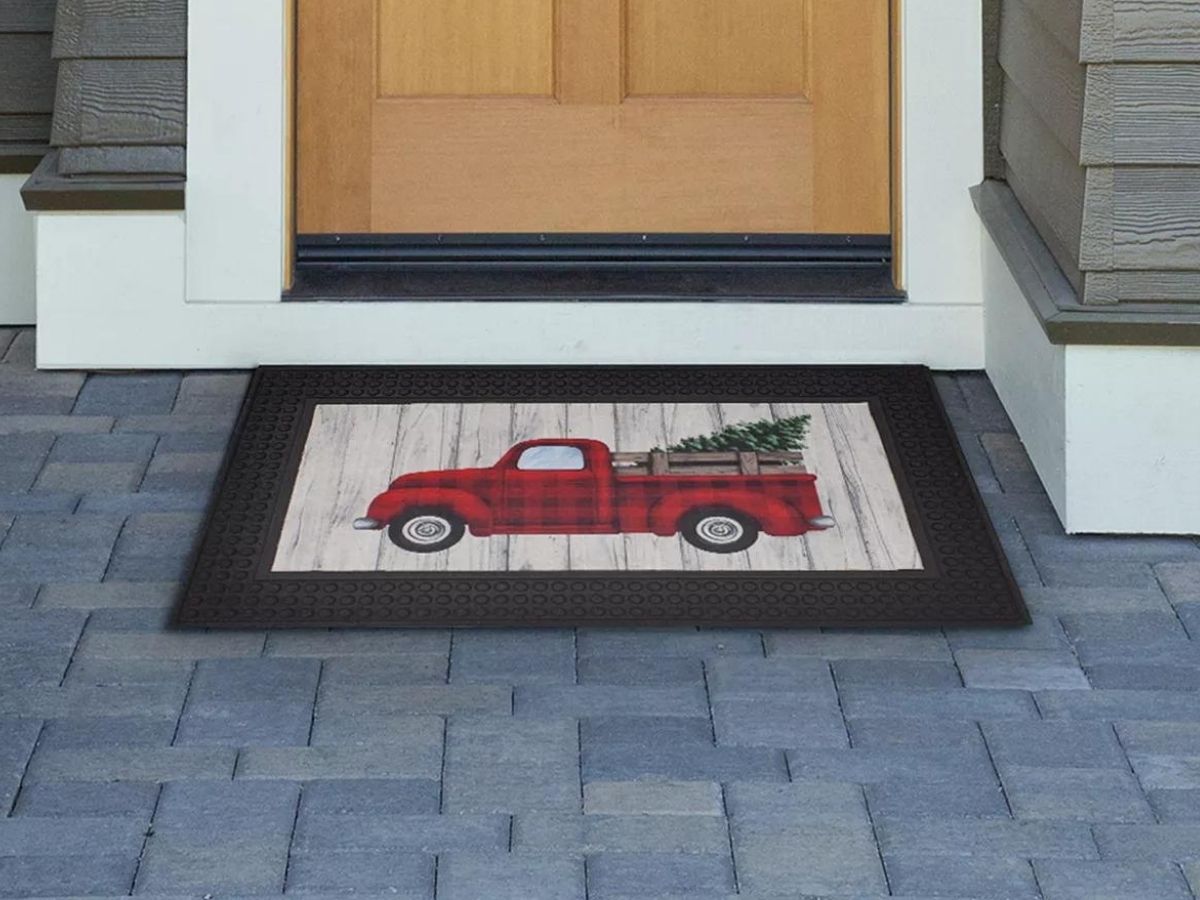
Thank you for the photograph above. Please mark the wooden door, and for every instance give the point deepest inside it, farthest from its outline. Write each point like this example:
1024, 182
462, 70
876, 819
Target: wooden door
593, 116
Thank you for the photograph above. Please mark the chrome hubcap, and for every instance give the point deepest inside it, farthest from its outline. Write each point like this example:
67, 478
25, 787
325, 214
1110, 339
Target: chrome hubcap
720, 530
425, 530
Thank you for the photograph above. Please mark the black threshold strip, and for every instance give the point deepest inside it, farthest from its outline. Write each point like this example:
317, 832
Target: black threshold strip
770, 268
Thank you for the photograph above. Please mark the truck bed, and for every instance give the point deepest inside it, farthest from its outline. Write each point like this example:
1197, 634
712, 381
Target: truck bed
666, 463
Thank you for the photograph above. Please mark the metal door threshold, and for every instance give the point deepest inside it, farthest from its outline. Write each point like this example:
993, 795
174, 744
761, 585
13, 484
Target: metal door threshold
715, 268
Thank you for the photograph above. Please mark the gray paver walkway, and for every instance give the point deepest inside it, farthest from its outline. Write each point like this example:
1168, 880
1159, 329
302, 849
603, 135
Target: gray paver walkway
1059, 761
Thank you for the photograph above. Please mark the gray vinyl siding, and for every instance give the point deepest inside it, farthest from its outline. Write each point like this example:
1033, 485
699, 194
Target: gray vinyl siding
1141, 31
1047, 179
1042, 123
26, 75
1100, 140
120, 108
1143, 114
993, 90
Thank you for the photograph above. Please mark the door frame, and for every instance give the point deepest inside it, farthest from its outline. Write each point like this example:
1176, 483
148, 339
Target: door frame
202, 287
239, 220
751, 251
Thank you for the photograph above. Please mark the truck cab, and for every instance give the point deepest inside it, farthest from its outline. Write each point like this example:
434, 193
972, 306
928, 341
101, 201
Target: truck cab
548, 483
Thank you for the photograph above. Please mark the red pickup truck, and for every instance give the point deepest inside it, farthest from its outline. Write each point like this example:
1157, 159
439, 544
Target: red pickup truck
719, 502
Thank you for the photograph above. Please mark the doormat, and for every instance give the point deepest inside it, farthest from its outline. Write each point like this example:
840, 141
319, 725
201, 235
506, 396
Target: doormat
555, 496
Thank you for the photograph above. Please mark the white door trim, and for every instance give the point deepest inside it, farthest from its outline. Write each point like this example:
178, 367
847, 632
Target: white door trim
237, 148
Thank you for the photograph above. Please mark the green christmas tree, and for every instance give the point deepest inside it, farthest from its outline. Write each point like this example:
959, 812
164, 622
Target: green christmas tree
763, 436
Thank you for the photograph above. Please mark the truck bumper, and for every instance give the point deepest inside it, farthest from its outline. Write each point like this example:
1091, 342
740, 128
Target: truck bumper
366, 523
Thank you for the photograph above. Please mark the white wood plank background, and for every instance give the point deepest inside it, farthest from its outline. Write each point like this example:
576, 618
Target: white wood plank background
354, 451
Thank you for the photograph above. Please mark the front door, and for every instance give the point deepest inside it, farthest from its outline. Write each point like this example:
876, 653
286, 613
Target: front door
593, 116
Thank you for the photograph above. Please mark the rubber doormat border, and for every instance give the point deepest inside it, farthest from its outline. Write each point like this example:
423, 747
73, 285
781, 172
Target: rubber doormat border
965, 579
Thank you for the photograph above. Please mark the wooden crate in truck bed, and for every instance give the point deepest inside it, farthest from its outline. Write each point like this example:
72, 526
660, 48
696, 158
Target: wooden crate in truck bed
662, 462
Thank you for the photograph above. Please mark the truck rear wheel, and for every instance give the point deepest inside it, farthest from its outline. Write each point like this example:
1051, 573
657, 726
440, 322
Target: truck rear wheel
719, 530
426, 530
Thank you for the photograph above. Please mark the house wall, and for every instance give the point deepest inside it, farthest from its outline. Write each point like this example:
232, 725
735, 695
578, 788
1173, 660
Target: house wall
1042, 120
1106, 427
1100, 140
26, 76
121, 92
993, 89
1141, 146
1092, 262
26, 100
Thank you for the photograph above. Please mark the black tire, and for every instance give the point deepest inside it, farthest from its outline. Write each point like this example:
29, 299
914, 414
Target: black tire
426, 530
719, 530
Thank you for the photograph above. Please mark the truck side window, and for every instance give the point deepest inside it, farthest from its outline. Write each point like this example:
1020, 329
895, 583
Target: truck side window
549, 458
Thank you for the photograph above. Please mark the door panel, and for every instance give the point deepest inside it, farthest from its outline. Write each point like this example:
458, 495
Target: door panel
717, 48
594, 171
446, 48
518, 116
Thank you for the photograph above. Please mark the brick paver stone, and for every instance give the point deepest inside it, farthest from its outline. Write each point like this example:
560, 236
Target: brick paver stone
220, 837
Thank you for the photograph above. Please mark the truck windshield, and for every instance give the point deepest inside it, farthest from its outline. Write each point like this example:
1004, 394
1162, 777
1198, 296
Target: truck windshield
551, 458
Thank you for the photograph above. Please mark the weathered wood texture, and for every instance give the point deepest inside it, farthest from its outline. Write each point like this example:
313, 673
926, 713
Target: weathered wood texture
119, 111
1148, 286
26, 81
353, 452
122, 29
1143, 114
26, 16
1142, 219
1140, 31
131, 160
108, 102
1101, 141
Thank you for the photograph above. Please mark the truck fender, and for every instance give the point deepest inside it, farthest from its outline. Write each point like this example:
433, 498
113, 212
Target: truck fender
773, 515
466, 506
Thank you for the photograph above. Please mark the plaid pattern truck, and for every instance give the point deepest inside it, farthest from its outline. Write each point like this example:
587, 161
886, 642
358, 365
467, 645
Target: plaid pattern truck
591, 496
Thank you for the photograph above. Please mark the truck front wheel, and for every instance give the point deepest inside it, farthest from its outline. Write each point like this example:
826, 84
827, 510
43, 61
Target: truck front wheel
719, 530
426, 530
